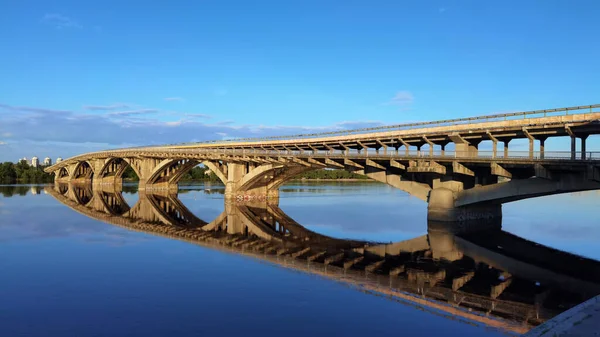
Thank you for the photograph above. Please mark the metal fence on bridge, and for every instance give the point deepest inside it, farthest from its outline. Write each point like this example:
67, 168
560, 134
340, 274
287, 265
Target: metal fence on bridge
525, 155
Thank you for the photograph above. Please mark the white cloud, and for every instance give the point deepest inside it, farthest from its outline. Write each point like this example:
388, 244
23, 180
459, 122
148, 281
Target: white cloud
402, 98
133, 112
60, 21
198, 116
2, 143
32, 109
70, 133
112, 107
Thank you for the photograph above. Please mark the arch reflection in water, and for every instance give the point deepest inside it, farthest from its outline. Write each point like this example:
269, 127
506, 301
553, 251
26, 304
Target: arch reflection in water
491, 277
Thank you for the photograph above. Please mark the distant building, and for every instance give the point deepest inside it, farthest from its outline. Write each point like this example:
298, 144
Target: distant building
47, 161
35, 162
23, 160
58, 160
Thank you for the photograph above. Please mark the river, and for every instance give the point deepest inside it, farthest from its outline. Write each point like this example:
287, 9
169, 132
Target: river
66, 273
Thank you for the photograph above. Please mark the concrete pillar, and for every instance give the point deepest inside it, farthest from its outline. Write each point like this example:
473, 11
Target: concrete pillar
542, 147
506, 147
583, 146
144, 169
431, 145
443, 149
406, 146
494, 144
234, 219
419, 150
235, 173
573, 147
258, 187
463, 147
441, 208
531, 144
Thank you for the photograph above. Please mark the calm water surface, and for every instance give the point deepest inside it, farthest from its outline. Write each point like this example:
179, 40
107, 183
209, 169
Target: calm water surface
67, 274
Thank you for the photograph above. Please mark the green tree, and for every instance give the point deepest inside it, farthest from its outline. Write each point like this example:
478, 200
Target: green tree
8, 173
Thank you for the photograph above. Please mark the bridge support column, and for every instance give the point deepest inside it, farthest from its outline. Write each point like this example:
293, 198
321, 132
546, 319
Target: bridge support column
235, 173
531, 143
463, 147
102, 176
506, 147
147, 170
573, 147
234, 219
441, 208
583, 146
243, 182
542, 146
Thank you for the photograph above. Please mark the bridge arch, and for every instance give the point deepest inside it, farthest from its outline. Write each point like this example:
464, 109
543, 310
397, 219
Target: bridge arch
114, 166
169, 171
276, 175
521, 189
82, 170
253, 177
62, 188
81, 194
63, 173
135, 165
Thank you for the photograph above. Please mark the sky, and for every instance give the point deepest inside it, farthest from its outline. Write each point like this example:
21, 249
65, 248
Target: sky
80, 76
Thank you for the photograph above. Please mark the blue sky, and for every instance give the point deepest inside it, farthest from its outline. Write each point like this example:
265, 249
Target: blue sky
77, 76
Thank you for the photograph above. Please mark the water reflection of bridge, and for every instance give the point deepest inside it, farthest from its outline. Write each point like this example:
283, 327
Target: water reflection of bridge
493, 278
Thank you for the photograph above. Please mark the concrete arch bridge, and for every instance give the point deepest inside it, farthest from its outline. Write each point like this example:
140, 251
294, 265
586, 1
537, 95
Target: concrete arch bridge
439, 162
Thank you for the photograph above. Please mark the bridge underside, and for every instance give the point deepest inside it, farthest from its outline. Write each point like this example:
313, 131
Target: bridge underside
454, 190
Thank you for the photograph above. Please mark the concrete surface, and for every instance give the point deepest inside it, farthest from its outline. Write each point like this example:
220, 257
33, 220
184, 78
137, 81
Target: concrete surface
582, 320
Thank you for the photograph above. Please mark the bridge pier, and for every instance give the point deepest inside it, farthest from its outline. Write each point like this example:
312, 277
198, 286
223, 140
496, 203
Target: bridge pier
441, 207
464, 147
254, 182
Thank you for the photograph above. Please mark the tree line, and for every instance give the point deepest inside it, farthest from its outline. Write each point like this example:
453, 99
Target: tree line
23, 173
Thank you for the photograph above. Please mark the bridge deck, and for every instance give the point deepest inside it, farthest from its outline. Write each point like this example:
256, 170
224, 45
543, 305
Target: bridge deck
580, 121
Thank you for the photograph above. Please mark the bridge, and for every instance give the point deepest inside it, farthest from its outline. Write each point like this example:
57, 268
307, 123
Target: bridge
444, 163
488, 278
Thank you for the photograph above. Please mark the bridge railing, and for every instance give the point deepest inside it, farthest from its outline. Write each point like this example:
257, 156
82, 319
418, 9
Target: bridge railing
397, 127
535, 155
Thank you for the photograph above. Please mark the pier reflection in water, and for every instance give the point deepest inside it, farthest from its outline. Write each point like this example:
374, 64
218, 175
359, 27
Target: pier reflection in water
491, 277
